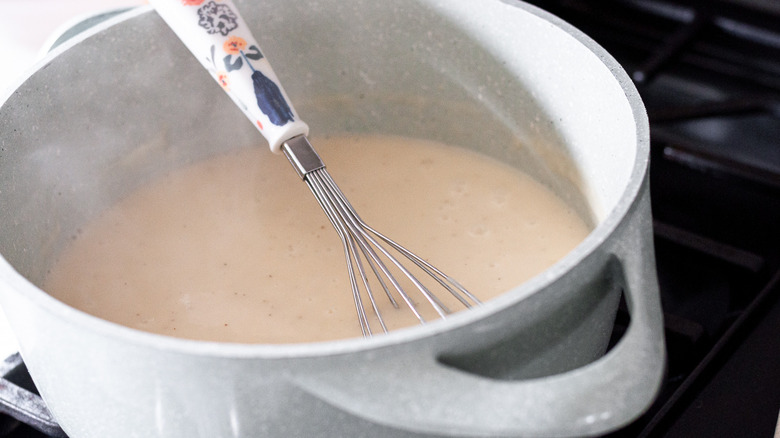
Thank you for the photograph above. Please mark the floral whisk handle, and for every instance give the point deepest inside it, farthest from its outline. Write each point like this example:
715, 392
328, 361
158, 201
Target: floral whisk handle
220, 39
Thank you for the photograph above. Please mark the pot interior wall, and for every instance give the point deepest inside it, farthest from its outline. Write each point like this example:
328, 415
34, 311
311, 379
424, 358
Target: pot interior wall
129, 103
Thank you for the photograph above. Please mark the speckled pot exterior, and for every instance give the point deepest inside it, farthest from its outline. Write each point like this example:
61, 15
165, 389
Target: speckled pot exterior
122, 103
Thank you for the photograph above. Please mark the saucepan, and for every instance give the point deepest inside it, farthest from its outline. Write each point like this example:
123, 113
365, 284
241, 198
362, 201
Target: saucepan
123, 103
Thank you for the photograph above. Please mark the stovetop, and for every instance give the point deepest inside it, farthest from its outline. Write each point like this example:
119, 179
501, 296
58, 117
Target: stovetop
709, 74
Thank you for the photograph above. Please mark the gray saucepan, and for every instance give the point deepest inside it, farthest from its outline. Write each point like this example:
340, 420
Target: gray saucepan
124, 102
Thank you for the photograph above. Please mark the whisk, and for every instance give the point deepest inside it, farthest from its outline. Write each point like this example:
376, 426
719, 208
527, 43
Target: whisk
219, 38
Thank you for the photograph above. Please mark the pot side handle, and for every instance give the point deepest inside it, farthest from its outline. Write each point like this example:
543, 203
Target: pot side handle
594, 399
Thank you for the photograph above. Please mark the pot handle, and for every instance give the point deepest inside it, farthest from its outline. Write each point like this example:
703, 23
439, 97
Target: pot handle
596, 398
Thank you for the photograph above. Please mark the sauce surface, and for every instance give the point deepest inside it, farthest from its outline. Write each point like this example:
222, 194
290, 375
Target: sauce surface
236, 249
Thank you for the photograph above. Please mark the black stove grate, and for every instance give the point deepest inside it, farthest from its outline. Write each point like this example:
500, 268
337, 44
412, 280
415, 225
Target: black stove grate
709, 74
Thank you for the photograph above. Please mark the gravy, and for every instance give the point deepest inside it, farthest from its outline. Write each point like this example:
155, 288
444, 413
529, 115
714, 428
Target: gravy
236, 249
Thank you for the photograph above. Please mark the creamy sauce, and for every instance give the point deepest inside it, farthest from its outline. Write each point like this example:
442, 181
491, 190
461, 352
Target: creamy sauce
236, 249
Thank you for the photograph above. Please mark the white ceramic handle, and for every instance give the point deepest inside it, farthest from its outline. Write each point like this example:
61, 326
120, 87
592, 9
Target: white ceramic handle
217, 35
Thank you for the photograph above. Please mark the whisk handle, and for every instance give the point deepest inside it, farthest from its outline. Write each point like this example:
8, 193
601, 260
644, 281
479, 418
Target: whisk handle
220, 39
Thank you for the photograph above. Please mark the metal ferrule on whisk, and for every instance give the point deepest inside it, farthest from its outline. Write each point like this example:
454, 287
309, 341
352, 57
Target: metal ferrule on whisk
361, 246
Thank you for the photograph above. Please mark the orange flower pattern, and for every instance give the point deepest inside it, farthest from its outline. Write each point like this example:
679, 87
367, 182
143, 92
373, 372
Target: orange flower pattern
234, 45
222, 78
220, 19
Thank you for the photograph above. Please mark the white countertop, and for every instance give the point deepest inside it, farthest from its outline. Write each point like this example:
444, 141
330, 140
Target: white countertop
26, 28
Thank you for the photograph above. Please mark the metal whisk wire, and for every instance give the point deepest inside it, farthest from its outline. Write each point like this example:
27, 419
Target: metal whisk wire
360, 245
259, 94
